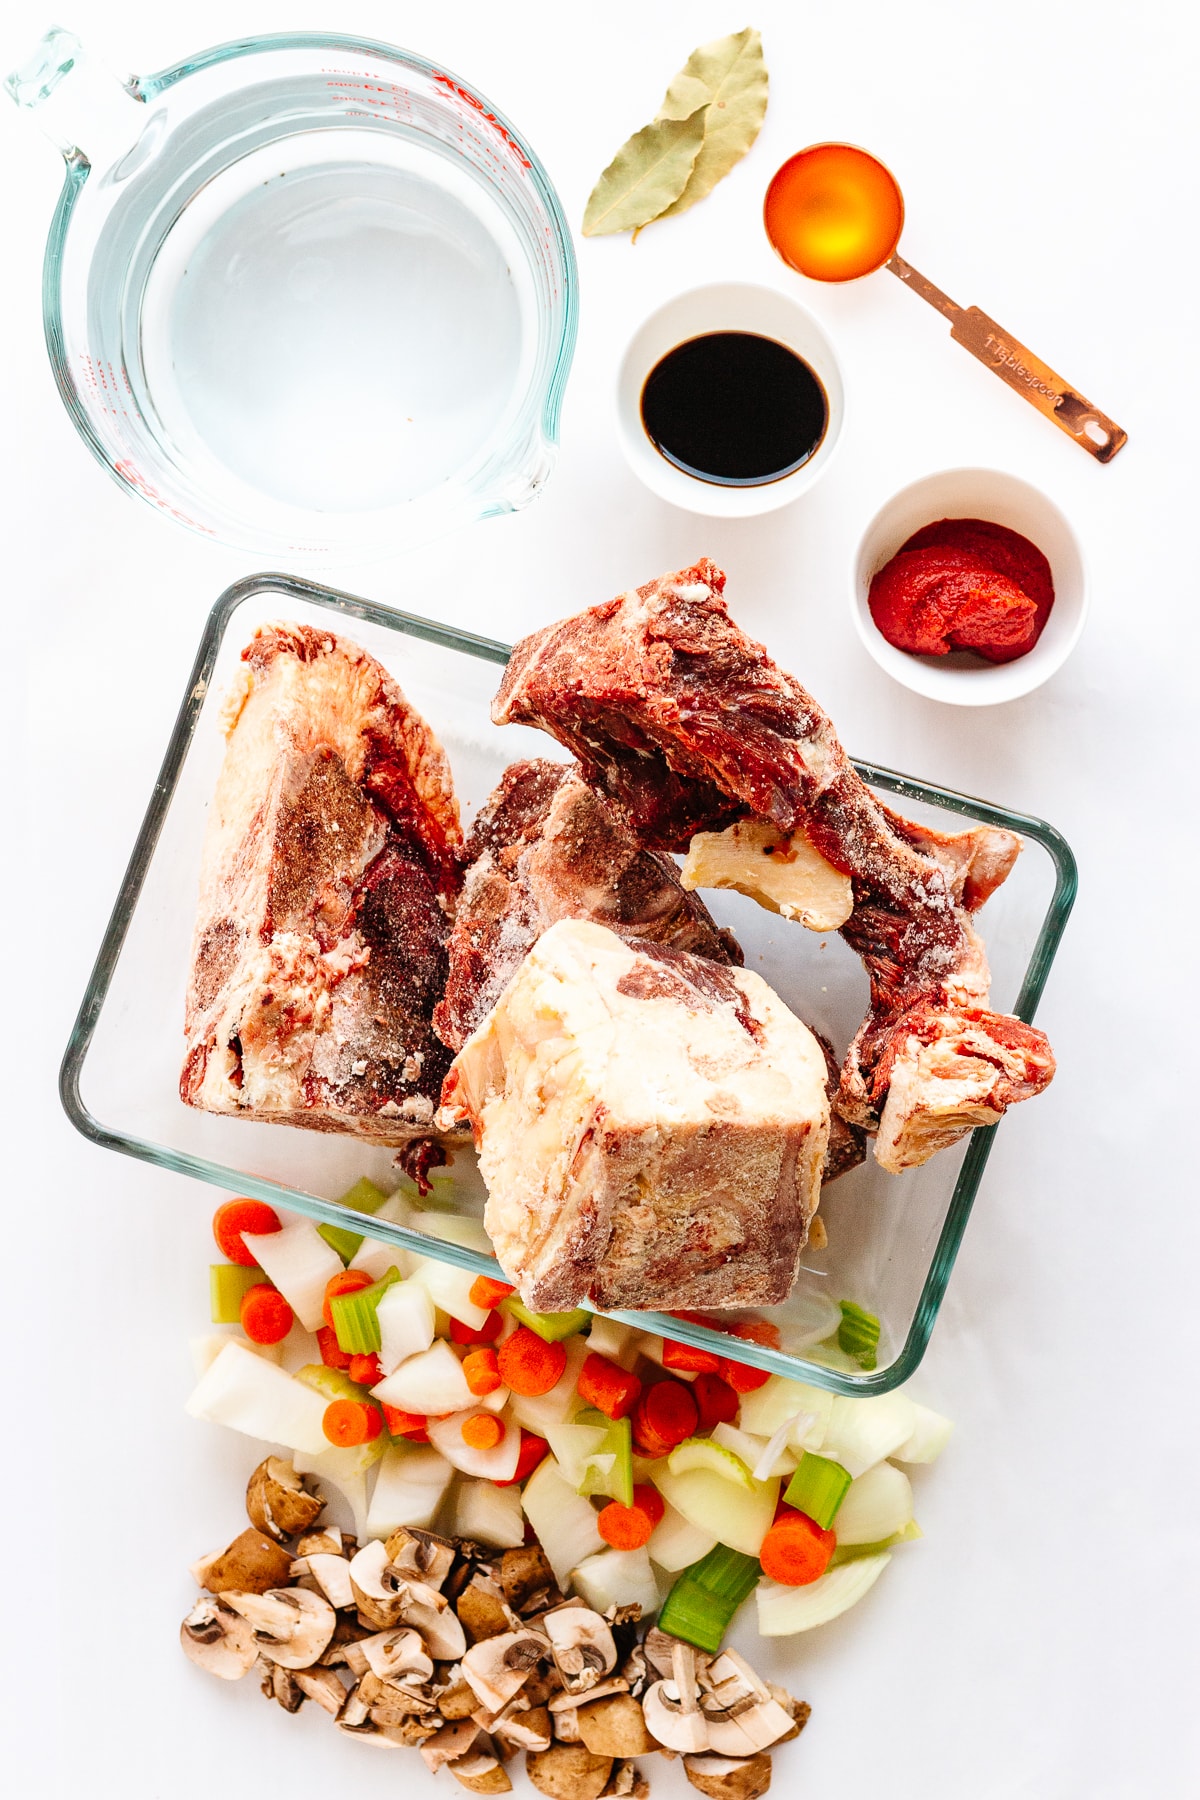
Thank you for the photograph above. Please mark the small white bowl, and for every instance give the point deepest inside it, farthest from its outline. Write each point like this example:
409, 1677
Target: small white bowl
959, 678
728, 306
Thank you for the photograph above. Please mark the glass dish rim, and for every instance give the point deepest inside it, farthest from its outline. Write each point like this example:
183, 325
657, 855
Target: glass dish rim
776, 1362
77, 168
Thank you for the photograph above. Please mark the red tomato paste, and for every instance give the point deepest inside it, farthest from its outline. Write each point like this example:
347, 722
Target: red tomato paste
964, 584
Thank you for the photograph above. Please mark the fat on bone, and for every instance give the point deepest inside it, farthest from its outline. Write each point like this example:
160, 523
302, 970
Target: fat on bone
692, 727
695, 1188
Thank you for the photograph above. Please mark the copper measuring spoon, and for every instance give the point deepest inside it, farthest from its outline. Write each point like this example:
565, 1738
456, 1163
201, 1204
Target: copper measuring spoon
834, 212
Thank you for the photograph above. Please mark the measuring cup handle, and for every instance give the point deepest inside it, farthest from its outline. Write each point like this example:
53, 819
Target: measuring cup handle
1093, 430
81, 107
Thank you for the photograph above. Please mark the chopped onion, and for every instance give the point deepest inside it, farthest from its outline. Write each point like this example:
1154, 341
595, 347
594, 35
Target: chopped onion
876, 1506
489, 1515
784, 1610
617, 1578
564, 1521
862, 1432
929, 1437
499, 1463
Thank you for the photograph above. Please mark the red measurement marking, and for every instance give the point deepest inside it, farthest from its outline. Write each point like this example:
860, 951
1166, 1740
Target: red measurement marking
127, 472
469, 99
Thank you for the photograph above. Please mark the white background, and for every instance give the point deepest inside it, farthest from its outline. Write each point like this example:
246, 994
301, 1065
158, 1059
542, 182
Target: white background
1041, 1640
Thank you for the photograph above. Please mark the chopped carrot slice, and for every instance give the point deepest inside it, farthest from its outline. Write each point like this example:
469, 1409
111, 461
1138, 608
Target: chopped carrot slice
346, 1281
663, 1417
716, 1401
758, 1331
743, 1378
236, 1216
266, 1316
483, 1431
487, 1333
482, 1370
796, 1550
685, 1358
487, 1292
332, 1354
624, 1527
606, 1386
405, 1424
528, 1364
350, 1422
533, 1449
365, 1368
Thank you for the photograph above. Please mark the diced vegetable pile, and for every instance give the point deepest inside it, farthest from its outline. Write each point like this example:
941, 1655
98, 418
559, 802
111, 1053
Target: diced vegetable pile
645, 1467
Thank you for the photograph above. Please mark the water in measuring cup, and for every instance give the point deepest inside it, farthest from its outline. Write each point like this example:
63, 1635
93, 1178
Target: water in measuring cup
344, 336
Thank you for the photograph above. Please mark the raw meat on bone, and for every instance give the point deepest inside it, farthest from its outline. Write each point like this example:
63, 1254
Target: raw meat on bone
545, 846
674, 712
333, 847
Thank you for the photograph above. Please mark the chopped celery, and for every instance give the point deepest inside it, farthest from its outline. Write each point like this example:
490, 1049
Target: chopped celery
854, 1552
335, 1384
858, 1334
616, 1478
818, 1488
227, 1287
703, 1453
551, 1326
575, 1447
363, 1197
705, 1597
355, 1320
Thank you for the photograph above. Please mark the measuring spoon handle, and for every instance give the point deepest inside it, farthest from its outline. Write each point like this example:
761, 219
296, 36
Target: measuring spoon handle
1008, 358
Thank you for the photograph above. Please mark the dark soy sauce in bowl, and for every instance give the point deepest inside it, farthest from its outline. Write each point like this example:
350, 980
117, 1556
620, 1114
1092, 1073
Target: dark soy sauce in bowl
734, 408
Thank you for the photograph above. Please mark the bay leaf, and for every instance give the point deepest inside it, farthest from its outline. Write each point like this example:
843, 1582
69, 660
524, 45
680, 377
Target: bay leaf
649, 172
731, 76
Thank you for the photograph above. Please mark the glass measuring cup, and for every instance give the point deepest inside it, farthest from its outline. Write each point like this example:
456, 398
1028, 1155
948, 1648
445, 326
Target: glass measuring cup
303, 293
833, 212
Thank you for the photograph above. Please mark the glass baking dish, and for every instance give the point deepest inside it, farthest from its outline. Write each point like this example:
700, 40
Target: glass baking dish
892, 1239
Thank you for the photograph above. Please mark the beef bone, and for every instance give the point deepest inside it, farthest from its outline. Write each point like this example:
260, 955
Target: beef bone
690, 725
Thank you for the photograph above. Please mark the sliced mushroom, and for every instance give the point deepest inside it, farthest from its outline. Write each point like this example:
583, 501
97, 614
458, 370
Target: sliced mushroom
616, 1684
404, 1715
218, 1639
346, 1634
251, 1564
498, 1667
527, 1579
448, 1743
420, 1555
658, 1648
747, 1730
280, 1685
277, 1501
800, 1711
615, 1726
398, 1655
326, 1574
428, 1612
481, 1774
584, 1650
458, 1701
634, 1671
378, 1596
323, 1686
564, 1723
568, 1772
626, 1783
481, 1609
525, 1730
290, 1625
329, 1541
729, 1777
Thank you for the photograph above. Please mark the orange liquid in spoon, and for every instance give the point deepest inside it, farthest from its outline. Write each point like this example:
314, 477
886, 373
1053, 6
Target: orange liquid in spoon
834, 212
